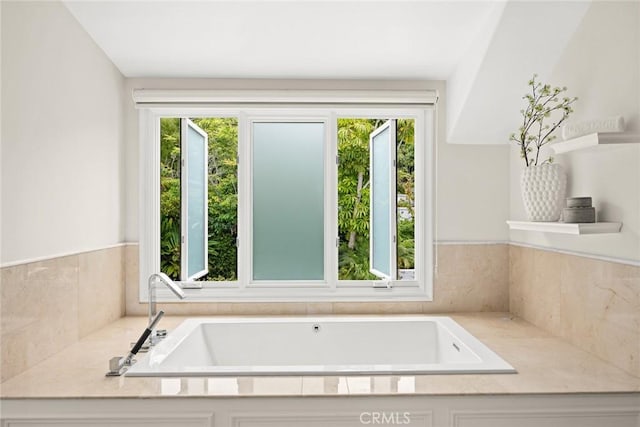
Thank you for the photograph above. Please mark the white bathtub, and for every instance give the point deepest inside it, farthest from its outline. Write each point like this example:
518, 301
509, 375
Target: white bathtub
319, 346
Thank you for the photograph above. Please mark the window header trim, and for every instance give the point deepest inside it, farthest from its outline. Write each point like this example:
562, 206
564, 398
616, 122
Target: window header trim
154, 98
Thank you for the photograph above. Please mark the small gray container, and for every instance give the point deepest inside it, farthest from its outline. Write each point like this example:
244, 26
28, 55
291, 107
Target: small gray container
579, 202
579, 215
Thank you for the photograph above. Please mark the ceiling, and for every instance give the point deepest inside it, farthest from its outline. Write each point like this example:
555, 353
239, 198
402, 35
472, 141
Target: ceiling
484, 49
285, 39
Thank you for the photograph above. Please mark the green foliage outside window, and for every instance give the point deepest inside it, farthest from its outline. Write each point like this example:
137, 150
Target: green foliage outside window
354, 192
223, 196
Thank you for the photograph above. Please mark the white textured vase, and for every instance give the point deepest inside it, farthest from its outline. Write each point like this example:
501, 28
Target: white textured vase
543, 191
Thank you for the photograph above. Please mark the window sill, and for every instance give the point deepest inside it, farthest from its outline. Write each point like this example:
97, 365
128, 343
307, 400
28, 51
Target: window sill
284, 295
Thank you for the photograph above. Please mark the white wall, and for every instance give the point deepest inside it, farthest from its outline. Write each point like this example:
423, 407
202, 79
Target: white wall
487, 81
0, 135
62, 120
601, 67
473, 187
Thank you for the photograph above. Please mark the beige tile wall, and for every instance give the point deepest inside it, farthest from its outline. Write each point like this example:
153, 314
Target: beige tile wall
48, 305
593, 304
469, 278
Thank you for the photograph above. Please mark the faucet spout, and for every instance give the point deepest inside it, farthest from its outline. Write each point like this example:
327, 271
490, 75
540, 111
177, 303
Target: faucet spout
173, 286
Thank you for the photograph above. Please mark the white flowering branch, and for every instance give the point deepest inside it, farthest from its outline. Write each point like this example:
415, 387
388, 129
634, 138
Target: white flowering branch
534, 132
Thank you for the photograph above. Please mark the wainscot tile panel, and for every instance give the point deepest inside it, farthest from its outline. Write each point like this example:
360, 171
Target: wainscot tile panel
470, 278
48, 305
101, 290
593, 304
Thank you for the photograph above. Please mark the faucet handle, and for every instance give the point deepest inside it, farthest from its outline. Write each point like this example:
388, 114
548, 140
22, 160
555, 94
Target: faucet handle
115, 363
117, 366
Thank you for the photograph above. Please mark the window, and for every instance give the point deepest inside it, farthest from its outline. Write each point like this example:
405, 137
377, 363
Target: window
198, 198
194, 201
376, 192
287, 197
272, 203
382, 215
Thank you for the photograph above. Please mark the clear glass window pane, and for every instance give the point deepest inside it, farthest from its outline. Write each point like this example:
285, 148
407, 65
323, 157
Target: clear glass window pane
405, 192
222, 195
288, 201
354, 192
170, 223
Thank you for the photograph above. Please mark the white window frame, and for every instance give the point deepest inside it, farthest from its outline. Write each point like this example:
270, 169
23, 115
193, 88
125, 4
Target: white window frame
255, 105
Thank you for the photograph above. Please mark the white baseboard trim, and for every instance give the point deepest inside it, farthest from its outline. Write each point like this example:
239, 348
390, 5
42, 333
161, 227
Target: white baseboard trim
635, 263
471, 242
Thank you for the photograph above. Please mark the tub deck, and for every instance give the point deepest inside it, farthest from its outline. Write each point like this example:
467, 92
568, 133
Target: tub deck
545, 365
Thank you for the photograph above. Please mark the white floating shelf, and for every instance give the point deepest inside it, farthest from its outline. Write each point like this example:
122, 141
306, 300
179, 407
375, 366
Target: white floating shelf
566, 228
593, 140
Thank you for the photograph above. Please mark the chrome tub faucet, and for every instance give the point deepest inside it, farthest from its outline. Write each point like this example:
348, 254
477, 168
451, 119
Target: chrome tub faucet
155, 336
119, 365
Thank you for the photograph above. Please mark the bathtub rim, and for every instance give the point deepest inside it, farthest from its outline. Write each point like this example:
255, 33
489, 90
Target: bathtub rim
491, 362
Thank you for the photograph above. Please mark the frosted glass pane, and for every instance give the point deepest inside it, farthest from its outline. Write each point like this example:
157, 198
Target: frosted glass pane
381, 203
197, 200
288, 201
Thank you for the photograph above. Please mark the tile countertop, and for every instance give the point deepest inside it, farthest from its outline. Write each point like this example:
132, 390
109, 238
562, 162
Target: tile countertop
545, 364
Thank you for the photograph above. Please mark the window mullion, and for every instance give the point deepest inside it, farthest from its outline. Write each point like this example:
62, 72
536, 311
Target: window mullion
331, 207
244, 202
